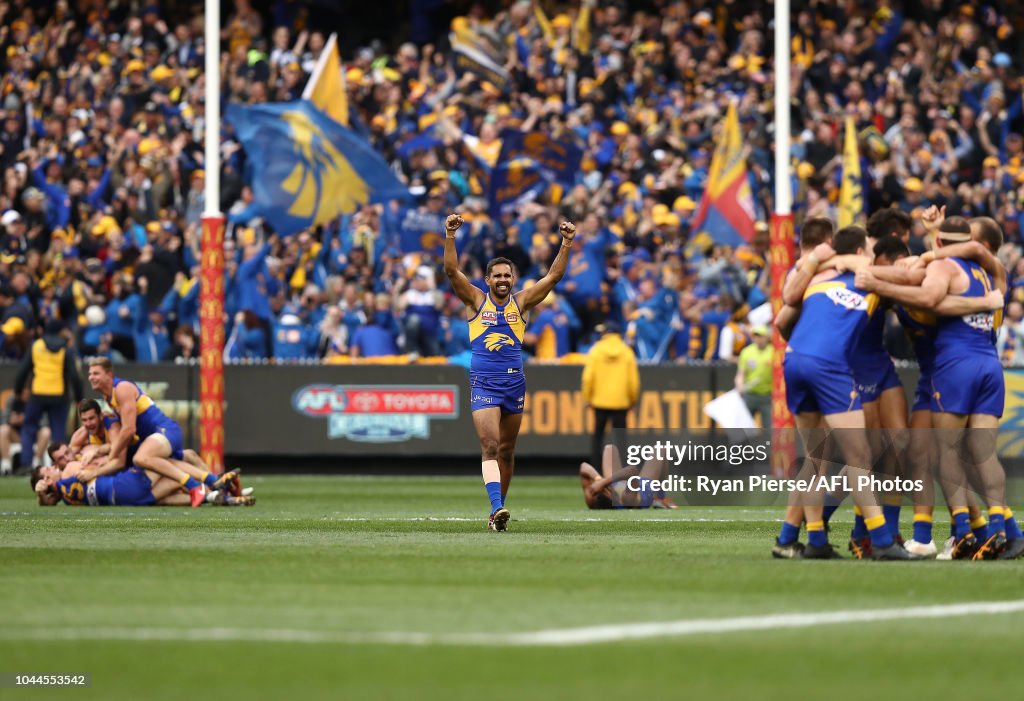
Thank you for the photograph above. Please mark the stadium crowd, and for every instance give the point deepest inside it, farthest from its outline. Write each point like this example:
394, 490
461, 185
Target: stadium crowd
102, 164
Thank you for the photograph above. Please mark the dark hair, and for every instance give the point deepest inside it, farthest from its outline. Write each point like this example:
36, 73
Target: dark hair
53, 447
891, 248
501, 261
602, 501
989, 232
89, 405
889, 222
814, 231
849, 239
35, 476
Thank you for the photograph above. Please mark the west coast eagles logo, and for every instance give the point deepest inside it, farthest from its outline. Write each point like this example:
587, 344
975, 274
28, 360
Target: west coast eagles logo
494, 341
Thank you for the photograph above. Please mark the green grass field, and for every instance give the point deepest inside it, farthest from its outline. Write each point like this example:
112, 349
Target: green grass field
296, 597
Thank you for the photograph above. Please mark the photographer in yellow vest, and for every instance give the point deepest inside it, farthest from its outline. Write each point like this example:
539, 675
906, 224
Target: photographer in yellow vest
52, 365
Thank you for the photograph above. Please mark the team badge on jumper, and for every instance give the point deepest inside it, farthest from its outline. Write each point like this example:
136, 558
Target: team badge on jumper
489, 318
511, 317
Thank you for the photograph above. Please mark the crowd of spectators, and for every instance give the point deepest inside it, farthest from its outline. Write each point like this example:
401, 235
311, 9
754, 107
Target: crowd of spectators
102, 164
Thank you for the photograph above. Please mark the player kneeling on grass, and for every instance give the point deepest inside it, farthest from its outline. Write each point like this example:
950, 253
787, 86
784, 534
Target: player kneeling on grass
623, 488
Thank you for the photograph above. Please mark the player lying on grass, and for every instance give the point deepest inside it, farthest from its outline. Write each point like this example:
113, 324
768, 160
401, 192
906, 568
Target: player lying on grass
66, 481
94, 439
613, 488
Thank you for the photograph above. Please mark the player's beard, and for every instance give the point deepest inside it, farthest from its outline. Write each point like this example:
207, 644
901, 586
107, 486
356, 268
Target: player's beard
497, 294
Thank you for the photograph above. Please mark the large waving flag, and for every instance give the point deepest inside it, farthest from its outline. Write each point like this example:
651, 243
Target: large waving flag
308, 168
326, 87
527, 165
726, 209
851, 191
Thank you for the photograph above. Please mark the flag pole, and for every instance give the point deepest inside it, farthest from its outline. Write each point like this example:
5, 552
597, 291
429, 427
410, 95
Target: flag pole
211, 271
781, 241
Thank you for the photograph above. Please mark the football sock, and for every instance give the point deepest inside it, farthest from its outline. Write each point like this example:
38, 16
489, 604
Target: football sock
892, 513
859, 529
816, 533
190, 483
492, 481
831, 504
789, 533
923, 528
961, 523
996, 520
881, 536
1012, 529
209, 479
979, 527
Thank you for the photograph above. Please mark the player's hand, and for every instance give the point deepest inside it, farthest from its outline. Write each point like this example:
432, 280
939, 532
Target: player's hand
994, 300
865, 280
927, 257
933, 217
453, 222
85, 475
568, 231
823, 252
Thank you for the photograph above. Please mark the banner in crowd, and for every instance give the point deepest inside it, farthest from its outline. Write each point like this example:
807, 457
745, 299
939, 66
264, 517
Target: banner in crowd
851, 191
528, 163
473, 53
726, 210
422, 231
307, 168
514, 183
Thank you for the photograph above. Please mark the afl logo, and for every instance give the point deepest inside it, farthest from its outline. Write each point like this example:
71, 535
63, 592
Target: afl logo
847, 298
511, 317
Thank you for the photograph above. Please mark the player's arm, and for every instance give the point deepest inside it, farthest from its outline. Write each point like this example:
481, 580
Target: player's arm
528, 299
470, 295
933, 288
119, 443
844, 262
797, 282
958, 305
978, 253
617, 476
91, 472
898, 276
785, 320
78, 441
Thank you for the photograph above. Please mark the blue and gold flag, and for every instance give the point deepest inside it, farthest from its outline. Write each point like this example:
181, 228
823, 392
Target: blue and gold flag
308, 169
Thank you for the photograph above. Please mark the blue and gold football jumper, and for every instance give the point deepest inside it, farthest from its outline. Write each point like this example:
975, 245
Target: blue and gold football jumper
149, 420
817, 365
130, 487
871, 364
968, 377
920, 326
496, 371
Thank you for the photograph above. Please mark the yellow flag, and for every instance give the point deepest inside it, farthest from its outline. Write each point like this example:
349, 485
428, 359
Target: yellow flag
326, 87
851, 194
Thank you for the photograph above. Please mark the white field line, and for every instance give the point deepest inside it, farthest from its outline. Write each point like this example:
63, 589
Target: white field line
139, 516
554, 637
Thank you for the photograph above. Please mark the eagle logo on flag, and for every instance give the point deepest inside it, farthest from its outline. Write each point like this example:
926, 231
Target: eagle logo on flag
323, 181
